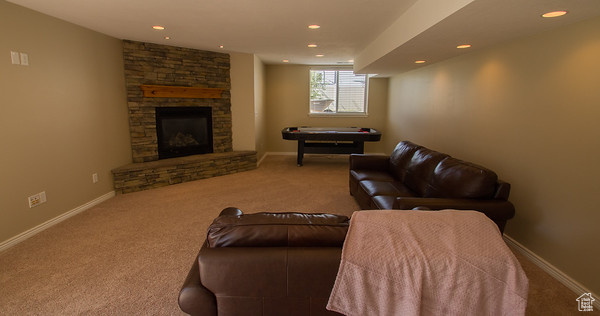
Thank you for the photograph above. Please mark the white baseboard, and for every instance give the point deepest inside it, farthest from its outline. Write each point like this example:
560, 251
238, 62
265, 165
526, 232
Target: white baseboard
562, 277
274, 153
293, 153
41, 227
261, 159
281, 153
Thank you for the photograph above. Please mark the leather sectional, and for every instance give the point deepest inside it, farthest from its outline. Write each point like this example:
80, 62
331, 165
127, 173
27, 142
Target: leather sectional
265, 264
414, 176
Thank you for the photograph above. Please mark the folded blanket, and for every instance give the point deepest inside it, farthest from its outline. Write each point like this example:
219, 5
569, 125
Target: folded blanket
427, 263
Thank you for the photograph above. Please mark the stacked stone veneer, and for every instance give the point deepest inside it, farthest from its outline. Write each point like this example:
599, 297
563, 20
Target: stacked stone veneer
154, 64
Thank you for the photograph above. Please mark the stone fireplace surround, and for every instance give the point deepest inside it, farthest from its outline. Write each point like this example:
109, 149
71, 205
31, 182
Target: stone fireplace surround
154, 64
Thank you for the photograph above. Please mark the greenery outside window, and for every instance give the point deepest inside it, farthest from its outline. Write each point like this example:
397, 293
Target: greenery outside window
337, 91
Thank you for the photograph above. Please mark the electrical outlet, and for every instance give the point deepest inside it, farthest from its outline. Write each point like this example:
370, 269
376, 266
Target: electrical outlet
34, 200
94, 178
37, 199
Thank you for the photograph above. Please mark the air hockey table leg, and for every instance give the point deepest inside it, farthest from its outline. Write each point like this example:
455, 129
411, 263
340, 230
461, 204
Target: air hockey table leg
300, 152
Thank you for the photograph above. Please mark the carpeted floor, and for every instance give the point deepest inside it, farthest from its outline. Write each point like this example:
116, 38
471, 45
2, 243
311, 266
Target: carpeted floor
130, 254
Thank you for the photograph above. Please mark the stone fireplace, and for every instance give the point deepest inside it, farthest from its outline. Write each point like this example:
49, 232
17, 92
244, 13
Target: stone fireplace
153, 64
182, 72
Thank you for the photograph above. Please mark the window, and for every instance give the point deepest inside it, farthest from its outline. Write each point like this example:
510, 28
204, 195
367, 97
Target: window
337, 92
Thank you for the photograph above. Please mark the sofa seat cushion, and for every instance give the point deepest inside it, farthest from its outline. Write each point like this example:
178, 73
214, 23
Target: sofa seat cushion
278, 230
454, 178
384, 202
373, 188
360, 175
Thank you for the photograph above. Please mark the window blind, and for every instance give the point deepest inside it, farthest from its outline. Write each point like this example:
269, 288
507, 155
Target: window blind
337, 91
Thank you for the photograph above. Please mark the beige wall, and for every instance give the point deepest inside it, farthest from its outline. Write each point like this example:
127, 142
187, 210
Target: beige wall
259, 107
62, 118
287, 100
242, 101
529, 110
247, 102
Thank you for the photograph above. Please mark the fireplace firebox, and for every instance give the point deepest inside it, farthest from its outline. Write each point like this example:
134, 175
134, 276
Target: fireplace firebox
183, 131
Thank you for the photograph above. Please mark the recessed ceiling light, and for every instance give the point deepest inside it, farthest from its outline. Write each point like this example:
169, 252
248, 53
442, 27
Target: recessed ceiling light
464, 46
419, 61
221, 46
166, 37
554, 14
286, 60
314, 26
158, 27
312, 45
319, 55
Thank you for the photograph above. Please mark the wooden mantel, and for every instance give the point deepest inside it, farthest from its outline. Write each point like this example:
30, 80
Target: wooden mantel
154, 91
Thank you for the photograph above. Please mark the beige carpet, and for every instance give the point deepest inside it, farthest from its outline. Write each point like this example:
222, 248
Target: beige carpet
130, 255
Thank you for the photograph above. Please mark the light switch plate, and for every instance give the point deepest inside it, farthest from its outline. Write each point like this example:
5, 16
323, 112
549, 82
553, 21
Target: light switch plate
24, 59
14, 57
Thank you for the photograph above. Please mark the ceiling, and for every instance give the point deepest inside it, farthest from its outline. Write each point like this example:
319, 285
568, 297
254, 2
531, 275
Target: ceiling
382, 36
481, 23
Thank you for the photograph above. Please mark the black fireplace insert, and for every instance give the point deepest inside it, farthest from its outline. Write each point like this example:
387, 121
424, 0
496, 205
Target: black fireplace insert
183, 131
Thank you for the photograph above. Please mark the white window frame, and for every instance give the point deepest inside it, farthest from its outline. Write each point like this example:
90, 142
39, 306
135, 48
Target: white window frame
364, 113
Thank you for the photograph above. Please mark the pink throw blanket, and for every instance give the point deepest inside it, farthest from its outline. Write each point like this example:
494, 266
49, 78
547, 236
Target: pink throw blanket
427, 263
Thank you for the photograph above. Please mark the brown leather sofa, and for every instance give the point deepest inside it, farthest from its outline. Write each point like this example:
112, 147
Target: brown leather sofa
414, 176
265, 264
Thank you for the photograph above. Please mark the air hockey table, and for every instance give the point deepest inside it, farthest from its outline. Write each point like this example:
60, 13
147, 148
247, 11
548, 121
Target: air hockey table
330, 140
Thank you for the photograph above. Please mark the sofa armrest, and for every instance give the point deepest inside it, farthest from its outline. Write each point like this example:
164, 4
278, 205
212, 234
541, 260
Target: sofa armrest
369, 162
497, 210
194, 298
502, 190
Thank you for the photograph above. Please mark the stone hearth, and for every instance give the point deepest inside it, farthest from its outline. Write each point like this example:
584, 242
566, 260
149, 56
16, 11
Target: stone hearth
148, 175
154, 64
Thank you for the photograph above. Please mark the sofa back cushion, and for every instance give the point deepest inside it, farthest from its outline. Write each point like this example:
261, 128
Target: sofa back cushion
420, 169
400, 158
454, 178
278, 230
